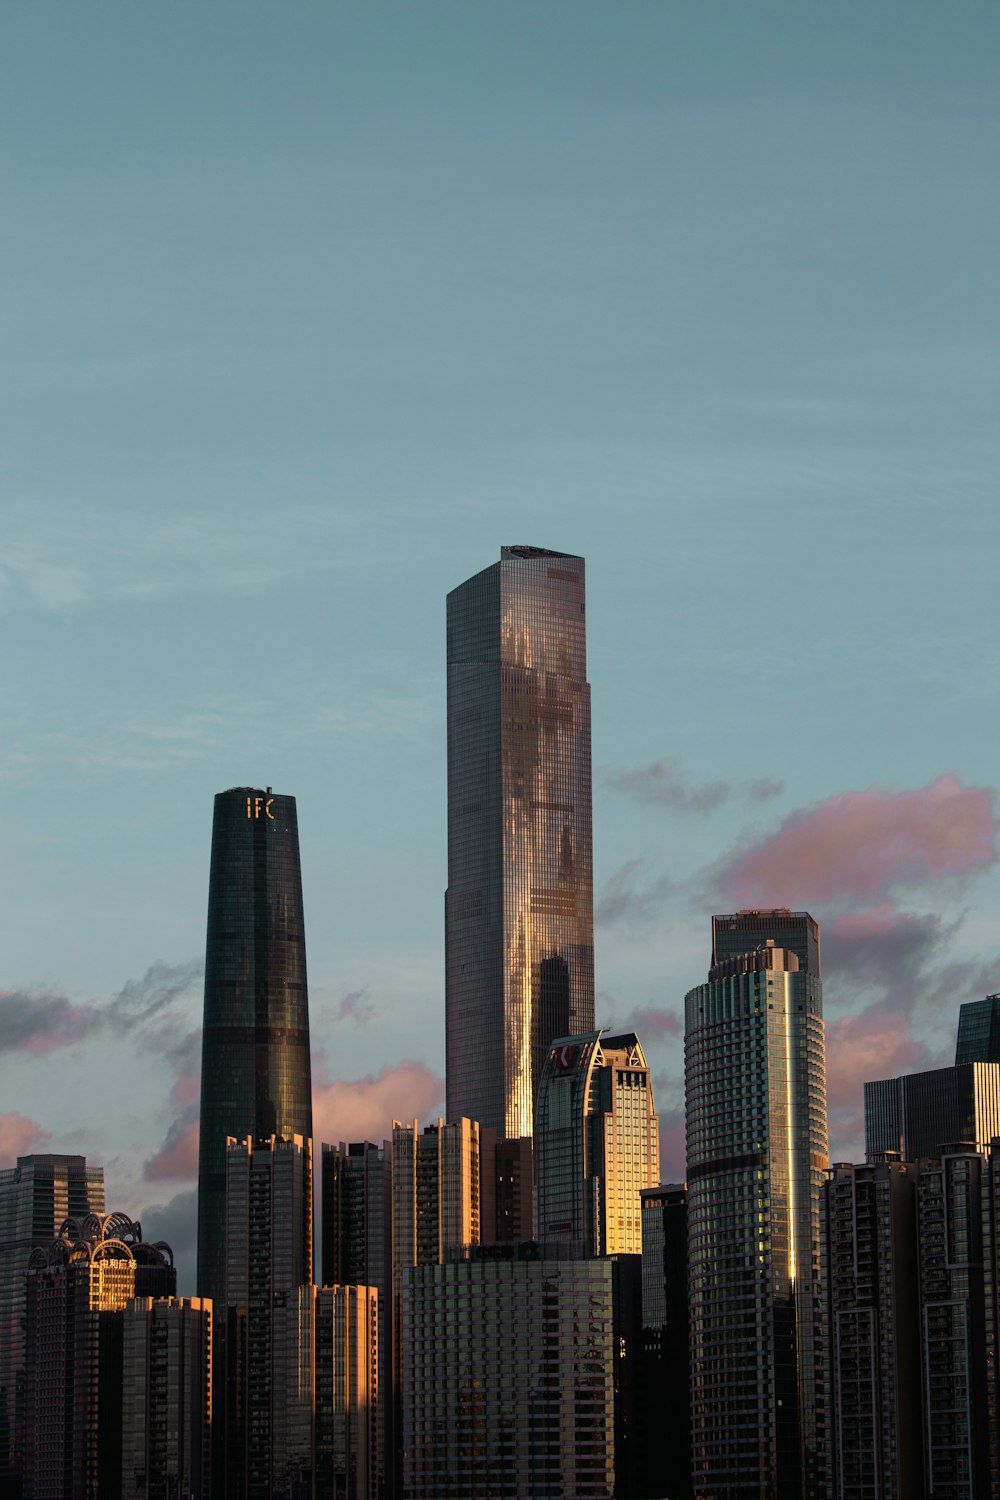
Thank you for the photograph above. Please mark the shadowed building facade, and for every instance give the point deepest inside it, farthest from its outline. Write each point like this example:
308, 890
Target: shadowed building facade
755, 1082
36, 1198
519, 910
255, 1074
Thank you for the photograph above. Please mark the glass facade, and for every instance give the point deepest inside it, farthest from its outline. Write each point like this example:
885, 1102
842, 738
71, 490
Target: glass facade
519, 910
920, 1113
979, 1031
757, 1158
255, 1075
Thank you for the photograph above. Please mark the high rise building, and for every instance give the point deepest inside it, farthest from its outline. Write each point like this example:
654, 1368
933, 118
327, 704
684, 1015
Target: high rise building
874, 1346
37, 1196
77, 1288
917, 1114
166, 1398
268, 1239
979, 1031
519, 911
516, 1374
665, 1385
435, 1191
328, 1445
255, 1074
959, 1441
755, 1083
597, 1143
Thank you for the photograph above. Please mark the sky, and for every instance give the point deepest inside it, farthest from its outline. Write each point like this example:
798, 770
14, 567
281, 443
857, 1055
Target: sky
306, 311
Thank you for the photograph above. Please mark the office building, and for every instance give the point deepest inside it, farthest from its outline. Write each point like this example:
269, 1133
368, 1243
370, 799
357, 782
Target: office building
917, 1114
979, 1031
516, 1374
268, 1239
519, 910
255, 1074
507, 1199
37, 1196
665, 1383
597, 1143
874, 1347
755, 1085
166, 1398
77, 1288
744, 931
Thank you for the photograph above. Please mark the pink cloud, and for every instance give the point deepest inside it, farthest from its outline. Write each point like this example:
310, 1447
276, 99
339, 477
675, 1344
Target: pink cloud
363, 1109
178, 1159
186, 1089
651, 1024
859, 1049
18, 1136
862, 844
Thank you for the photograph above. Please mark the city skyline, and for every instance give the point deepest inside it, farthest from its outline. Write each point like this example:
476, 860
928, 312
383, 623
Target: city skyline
292, 359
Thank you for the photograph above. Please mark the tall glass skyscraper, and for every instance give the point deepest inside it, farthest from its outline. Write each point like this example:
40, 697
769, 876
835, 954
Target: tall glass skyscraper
519, 911
755, 1082
255, 1075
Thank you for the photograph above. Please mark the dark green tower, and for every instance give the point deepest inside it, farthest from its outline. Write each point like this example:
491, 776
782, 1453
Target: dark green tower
255, 1074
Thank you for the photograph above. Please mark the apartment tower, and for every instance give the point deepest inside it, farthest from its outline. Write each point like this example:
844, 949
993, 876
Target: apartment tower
757, 1157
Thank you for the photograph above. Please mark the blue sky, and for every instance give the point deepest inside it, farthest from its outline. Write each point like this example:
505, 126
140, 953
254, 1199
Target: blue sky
308, 309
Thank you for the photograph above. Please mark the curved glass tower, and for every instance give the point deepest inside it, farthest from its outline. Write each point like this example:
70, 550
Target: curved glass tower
519, 911
255, 1076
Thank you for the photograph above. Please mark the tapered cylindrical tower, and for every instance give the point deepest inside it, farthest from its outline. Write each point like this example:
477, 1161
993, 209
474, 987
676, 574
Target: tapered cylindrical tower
255, 1075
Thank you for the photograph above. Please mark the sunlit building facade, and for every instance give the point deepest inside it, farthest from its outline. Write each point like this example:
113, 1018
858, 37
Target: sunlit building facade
519, 910
36, 1197
597, 1143
255, 1070
328, 1443
757, 1159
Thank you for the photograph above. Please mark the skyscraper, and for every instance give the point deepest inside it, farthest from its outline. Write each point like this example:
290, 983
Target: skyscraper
597, 1143
519, 911
755, 1084
255, 1075
36, 1197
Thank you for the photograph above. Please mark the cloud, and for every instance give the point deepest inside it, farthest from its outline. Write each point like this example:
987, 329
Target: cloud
673, 1146
651, 1024
626, 899
877, 1043
177, 1159
863, 844
176, 1223
18, 1136
884, 949
355, 1007
363, 1108
665, 783
36, 1021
